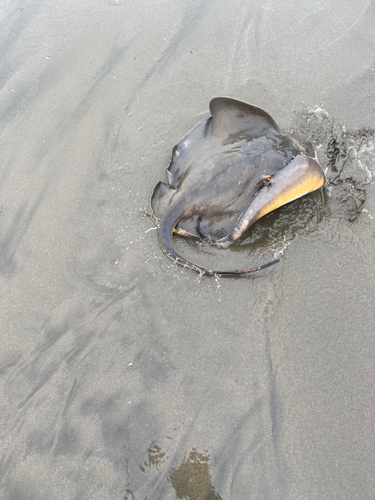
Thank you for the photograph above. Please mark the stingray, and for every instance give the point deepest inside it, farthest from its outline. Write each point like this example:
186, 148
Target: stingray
229, 171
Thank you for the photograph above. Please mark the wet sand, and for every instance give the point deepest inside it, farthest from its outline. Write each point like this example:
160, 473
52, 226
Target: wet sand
124, 376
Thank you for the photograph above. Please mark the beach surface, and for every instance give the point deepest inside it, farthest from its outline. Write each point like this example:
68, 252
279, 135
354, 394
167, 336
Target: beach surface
123, 375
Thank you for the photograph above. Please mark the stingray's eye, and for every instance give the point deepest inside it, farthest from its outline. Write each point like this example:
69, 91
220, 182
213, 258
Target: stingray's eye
266, 179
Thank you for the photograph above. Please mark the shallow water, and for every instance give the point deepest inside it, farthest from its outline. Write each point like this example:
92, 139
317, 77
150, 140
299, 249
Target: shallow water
123, 375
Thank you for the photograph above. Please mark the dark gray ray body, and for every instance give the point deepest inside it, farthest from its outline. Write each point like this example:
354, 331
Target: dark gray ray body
223, 167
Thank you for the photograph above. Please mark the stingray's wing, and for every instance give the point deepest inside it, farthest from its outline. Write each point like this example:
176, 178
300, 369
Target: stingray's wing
188, 227
219, 221
216, 228
233, 120
160, 199
191, 148
213, 203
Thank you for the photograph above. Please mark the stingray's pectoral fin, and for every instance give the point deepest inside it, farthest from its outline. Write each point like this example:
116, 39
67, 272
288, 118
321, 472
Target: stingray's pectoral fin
231, 117
301, 176
168, 223
160, 199
208, 231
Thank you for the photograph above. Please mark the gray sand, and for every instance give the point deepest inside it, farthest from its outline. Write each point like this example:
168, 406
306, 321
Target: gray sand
124, 375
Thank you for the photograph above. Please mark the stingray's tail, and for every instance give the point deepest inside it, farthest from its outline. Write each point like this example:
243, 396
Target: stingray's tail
167, 225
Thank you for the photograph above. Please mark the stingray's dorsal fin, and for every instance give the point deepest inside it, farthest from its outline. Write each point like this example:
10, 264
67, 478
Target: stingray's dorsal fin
231, 117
